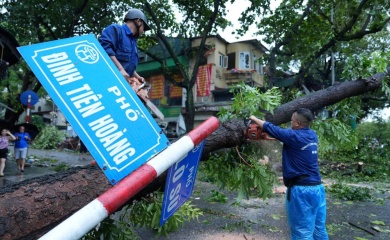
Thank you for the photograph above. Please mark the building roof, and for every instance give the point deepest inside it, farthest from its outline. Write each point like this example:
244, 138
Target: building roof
179, 46
210, 36
255, 43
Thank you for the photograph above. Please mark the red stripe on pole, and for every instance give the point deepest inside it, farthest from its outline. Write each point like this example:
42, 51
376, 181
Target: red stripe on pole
28, 109
119, 194
204, 130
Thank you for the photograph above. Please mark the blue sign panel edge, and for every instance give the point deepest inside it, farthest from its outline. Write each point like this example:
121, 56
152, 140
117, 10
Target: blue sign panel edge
192, 157
162, 141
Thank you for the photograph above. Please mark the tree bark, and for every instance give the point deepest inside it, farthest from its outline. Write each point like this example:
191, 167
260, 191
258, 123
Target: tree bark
32, 207
326, 97
37, 204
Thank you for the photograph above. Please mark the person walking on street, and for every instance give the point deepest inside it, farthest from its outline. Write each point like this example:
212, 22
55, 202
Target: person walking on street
120, 43
21, 146
306, 200
83, 150
5, 137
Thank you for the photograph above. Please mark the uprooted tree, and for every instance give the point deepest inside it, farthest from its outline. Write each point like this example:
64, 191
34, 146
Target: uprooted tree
41, 203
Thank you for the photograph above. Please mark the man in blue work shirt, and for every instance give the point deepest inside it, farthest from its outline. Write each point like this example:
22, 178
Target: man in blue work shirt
20, 148
120, 43
306, 201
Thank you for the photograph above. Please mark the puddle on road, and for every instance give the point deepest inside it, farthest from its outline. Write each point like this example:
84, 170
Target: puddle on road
12, 175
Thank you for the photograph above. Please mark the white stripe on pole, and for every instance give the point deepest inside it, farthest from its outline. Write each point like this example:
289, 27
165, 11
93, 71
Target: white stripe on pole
79, 223
174, 153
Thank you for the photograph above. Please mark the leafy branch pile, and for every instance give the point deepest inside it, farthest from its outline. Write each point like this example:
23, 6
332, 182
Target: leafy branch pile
349, 193
144, 213
375, 160
48, 138
240, 171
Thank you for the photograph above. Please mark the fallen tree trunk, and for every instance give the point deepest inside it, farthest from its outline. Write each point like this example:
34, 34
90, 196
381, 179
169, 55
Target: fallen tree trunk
326, 97
38, 204
32, 207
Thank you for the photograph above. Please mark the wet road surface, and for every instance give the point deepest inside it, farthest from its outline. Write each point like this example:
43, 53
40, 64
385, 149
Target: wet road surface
43, 162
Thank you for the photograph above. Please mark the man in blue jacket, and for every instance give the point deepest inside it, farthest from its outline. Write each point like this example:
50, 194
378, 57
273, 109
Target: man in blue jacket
306, 201
20, 148
120, 43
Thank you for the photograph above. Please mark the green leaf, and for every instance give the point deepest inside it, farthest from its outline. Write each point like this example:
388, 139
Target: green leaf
378, 223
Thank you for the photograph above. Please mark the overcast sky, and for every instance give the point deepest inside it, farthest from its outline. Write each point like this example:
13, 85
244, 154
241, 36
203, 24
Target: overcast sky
234, 12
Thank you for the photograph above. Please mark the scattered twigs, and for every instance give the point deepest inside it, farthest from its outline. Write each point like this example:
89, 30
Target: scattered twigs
362, 228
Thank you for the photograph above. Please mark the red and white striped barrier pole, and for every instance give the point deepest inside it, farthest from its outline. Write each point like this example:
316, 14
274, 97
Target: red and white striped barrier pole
81, 222
28, 109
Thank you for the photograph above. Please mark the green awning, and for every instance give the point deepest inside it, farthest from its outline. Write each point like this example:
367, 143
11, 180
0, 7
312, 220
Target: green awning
152, 68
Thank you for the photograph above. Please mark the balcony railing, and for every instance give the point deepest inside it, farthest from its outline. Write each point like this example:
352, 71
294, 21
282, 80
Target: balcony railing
248, 76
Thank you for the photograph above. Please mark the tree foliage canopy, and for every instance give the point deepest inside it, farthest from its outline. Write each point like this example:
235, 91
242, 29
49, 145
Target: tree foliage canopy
303, 35
378, 129
304, 32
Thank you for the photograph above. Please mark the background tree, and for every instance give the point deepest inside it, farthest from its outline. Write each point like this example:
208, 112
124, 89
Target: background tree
304, 35
40, 21
378, 128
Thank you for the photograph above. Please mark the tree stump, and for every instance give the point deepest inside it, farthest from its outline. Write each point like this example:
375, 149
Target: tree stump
360, 166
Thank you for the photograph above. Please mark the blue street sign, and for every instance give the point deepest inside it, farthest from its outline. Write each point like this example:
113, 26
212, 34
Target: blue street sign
33, 98
180, 182
105, 112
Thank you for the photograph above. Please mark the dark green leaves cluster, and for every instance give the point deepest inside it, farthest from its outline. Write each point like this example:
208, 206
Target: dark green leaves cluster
379, 130
216, 196
146, 213
48, 138
143, 213
374, 156
240, 172
349, 193
40, 21
249, 101
109, 229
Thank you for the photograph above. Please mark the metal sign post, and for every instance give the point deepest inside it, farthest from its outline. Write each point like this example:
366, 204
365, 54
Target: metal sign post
29, 98
96, 211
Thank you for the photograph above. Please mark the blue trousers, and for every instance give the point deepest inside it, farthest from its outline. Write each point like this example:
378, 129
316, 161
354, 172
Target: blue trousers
306, 213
